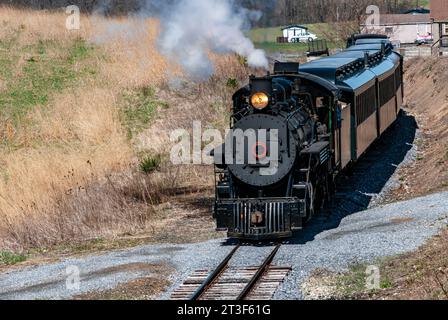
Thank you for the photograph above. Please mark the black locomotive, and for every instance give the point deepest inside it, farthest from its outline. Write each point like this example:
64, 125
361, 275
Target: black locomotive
298, 128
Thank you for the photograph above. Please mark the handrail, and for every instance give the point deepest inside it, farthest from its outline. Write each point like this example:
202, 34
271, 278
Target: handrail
441, 39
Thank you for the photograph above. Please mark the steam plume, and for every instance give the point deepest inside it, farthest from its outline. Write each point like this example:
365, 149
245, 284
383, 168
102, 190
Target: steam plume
191, 29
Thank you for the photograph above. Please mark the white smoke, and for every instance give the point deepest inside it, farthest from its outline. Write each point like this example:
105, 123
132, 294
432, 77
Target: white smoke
110, 29
192, 29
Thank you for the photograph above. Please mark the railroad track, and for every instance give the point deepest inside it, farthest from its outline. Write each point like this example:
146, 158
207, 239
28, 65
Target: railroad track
231, 283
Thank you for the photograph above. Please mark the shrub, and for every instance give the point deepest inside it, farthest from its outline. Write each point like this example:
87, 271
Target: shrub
232, 83
149, 164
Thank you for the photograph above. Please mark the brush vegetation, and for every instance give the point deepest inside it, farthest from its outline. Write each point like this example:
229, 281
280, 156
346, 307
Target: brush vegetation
85, 119
149, 164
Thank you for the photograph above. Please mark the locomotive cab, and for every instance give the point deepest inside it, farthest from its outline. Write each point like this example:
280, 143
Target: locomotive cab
276, 164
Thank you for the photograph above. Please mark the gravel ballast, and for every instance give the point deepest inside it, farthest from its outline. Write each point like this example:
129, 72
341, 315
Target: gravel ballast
362, 237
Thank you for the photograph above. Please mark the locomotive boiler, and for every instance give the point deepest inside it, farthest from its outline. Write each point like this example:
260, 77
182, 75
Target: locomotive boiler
293, 131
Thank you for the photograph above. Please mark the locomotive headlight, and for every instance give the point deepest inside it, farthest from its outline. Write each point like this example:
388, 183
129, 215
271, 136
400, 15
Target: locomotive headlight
260, 100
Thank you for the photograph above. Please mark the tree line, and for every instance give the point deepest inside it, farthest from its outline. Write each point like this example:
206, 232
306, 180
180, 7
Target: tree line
304, 11
275, 12
112, 6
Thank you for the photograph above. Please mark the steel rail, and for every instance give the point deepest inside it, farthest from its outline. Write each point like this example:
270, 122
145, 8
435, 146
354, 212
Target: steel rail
214, 276
261, 271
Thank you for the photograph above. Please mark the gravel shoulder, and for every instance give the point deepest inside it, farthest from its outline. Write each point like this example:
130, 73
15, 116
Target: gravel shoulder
383, 231
364, 237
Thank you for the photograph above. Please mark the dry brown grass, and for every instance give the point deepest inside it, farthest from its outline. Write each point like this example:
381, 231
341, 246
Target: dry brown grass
130, 43
68, 170
41, 25
419, 275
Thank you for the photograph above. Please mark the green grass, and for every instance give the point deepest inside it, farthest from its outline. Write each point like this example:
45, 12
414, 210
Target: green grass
8, 258
354, 282
33, 73
260, 35
139, 109
266, 39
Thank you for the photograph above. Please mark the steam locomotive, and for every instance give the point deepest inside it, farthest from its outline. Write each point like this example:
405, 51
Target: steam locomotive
298, 128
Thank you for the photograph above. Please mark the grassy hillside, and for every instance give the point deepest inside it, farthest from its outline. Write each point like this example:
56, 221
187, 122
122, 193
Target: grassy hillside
261, 35
266, 38
35, 71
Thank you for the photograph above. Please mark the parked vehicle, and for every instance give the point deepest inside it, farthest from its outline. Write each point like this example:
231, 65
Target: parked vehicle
424, 39
305, 37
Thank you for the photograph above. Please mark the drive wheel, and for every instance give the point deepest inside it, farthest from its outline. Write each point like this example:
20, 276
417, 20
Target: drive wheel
310, 202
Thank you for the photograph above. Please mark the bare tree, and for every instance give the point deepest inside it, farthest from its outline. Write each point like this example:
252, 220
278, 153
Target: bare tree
304, 11
275, 12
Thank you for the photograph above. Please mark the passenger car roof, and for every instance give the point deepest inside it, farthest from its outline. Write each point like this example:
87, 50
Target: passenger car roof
330, 67
351, 69
371, 41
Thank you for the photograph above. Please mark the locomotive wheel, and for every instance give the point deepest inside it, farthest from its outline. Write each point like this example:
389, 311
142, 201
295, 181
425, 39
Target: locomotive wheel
319, 195
325, 192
